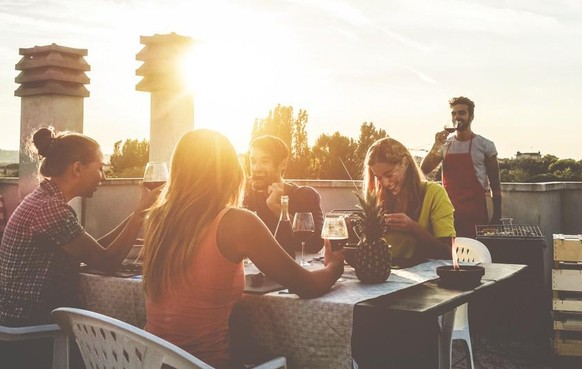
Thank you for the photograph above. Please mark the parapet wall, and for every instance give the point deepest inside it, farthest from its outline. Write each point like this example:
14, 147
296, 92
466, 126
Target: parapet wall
555, 206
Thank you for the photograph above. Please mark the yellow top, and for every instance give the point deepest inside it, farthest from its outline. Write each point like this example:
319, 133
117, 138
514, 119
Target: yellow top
436, 216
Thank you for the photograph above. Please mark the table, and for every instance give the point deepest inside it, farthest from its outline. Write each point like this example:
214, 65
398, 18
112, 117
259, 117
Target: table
419, 307
271, 324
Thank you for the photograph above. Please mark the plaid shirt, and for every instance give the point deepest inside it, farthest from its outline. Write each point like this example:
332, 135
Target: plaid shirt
36, 275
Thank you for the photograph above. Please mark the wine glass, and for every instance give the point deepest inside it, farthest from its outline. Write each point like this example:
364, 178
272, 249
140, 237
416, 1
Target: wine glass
451, 126
334, 227
155, 174
303, 229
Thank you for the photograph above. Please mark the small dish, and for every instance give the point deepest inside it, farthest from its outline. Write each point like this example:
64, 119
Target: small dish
464, 278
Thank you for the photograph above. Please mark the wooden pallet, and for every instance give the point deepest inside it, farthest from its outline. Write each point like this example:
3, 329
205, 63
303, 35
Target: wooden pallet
567, 280
567, 247
564, 301
567, 344
567, 295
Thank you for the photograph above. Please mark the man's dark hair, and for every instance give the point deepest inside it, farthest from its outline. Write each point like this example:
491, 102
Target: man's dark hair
272, 145
463, 100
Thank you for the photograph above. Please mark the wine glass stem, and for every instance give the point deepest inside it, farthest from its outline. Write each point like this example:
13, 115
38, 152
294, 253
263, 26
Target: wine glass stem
302, 252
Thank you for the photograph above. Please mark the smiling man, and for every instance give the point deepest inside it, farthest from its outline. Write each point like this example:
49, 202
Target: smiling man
470, 169
268, 157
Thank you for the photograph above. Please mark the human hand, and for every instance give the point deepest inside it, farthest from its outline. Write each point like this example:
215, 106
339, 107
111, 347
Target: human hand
441, 137
147, 197
334, 258
400, 221
275, 191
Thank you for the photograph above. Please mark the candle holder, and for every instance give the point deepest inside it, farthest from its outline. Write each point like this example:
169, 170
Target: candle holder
463, 278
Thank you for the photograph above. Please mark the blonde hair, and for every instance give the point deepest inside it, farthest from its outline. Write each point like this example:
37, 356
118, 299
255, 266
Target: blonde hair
409, 200
205, 177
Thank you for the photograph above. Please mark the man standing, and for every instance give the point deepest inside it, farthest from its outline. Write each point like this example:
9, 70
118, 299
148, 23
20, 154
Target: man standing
470, 169
268, 157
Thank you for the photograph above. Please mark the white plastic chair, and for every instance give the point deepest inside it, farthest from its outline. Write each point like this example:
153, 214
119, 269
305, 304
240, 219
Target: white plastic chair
60, 340
468, 250
109, 343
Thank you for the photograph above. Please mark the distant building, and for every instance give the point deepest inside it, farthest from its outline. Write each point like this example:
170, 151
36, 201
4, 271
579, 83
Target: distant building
9, 170
528, 155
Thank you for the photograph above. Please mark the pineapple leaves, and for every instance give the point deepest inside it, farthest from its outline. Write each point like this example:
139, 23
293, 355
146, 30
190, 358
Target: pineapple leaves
371, 221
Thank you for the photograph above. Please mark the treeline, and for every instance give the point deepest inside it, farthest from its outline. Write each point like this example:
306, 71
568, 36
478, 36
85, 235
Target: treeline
332, 156
546, 169
335, 156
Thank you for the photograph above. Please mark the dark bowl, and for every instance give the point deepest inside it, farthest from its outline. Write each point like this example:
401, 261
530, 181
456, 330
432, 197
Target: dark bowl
465, 278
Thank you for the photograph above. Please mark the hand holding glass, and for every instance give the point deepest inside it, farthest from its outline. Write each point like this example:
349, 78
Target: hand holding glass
450, 127
334, 227
155, 174
303, 229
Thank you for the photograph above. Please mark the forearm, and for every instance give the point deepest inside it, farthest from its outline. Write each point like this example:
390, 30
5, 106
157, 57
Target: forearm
117, 249
321, 281
431, 160
112, 235
496, 206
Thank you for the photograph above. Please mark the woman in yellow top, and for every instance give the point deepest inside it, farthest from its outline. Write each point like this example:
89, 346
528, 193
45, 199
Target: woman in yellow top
419, 213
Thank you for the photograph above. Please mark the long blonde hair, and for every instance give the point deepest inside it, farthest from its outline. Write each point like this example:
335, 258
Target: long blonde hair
409, 200
205, 177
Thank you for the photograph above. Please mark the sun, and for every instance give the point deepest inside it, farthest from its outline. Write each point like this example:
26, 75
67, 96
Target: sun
236, 81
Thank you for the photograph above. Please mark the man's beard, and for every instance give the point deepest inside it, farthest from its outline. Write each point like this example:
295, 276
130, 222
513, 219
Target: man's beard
462, 126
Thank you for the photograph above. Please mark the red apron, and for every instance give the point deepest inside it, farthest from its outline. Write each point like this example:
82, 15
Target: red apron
465, 191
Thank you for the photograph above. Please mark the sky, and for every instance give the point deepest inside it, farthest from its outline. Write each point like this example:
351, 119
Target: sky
395, 63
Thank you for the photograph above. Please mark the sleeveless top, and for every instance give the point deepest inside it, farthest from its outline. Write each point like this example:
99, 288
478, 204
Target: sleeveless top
196, 316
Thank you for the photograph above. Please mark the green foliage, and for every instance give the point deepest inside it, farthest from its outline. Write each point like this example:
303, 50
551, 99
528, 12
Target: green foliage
371, 221
368, 135
322, 161
547, 169
282, 123
331, 153
129, 160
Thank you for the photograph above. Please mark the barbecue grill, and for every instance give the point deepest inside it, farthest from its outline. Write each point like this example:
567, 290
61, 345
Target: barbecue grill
513, 231
526, 302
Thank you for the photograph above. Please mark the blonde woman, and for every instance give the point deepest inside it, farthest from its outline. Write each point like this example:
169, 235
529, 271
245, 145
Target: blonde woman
420, 214
195, 242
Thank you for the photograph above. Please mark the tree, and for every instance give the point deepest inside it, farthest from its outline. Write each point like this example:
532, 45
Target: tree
334, 157
293, 131
129, 160
278, 123
368, 135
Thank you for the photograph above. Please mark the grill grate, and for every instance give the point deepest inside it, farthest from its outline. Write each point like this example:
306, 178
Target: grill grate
513, 232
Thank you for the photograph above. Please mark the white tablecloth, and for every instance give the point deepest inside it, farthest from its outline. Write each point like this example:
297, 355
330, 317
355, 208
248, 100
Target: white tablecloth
310, 333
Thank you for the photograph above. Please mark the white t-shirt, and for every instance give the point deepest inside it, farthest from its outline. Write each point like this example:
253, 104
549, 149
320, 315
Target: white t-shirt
481, 149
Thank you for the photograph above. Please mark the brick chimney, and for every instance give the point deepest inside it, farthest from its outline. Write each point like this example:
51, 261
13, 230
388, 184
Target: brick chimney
52, 90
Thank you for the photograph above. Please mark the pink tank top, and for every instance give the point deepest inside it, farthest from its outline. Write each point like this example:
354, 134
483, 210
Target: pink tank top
196, 317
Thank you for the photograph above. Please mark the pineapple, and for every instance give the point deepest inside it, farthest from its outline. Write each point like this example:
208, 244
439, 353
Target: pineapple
372, 257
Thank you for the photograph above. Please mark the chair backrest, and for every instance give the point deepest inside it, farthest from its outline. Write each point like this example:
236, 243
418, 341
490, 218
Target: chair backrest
105, 342
471, 250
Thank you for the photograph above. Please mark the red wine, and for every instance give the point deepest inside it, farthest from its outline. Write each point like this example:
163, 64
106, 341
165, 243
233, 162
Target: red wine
450, 129
284, 235
302, 236
153, 184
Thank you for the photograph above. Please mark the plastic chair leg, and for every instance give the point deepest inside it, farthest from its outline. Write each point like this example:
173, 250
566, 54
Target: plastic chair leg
60, 351
446, 322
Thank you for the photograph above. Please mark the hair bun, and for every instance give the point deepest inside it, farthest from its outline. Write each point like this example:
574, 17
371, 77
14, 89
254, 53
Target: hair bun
43, 139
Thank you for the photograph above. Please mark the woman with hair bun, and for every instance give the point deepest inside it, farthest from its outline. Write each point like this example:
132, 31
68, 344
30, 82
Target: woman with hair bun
44, 243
